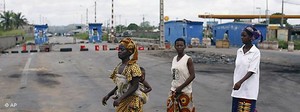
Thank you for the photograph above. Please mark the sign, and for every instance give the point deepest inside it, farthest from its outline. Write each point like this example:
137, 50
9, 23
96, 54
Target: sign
40, 32
166, 18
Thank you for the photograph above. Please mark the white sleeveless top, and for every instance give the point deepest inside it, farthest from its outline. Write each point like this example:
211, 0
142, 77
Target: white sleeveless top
180, 73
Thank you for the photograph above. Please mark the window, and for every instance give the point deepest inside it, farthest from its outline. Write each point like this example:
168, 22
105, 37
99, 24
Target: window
169, 31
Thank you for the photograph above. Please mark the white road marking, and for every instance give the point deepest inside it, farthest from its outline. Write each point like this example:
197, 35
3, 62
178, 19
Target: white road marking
25, 74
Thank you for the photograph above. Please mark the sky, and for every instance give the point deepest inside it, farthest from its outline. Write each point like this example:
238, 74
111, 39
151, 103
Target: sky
64, 12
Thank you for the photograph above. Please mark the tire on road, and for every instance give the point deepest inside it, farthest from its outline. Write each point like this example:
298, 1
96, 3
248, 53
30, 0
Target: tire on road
65, 49
33, 51
4, 52
14, 51
24, 51
84, 49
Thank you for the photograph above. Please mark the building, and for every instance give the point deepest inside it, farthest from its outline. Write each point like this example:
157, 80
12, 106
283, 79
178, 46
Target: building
234, 32
183, 29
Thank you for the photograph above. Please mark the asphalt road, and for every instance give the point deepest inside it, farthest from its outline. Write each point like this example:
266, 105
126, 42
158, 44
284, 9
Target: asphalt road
76, 82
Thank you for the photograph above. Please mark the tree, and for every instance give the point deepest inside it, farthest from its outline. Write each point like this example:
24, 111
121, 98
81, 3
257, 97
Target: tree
120, 28
10, 20
132, 26
7, 20
19, 20
145, 24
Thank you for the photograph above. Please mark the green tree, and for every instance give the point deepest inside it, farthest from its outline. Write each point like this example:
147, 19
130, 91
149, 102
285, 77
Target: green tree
19, 20
132, 26
10, 20
120, 28
145, 24
7, 20
277, 20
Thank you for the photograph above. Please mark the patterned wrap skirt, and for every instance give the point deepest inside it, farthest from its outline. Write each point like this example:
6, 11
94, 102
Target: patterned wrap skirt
243, 105
183, 103
130, 104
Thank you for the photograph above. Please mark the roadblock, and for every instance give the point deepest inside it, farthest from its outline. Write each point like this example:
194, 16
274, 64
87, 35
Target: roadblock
97, 47
141, 48
104, 47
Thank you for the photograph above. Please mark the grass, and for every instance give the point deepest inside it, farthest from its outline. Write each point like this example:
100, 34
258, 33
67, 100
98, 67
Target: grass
297, 45
11, 33
83, 36
282, 44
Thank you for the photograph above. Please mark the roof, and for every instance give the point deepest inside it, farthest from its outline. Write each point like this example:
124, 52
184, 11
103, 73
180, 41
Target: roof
184, 21
247, 16
241, 23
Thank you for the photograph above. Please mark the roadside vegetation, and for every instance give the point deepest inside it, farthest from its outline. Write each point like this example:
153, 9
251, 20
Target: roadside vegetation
11, 24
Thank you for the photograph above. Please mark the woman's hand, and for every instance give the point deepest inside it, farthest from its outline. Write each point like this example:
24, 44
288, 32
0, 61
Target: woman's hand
237, 86
116, 103
104, 100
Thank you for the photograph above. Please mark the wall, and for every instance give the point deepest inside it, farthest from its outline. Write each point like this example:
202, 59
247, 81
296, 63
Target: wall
183, 29
8, 42
234, 32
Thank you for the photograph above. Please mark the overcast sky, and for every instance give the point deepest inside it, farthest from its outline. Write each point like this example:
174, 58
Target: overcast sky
64, 12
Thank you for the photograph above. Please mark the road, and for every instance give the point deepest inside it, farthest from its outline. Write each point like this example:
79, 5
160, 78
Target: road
76, 82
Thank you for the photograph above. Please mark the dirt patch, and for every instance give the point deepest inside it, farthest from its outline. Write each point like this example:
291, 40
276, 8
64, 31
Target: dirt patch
48, 79
15, 76
200, 57
44, 74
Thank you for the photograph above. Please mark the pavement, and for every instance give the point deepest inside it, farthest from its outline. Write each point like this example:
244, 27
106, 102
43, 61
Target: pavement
76, 81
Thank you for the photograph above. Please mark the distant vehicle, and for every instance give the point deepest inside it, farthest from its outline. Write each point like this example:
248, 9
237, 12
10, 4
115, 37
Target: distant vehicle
30, 43
49, 35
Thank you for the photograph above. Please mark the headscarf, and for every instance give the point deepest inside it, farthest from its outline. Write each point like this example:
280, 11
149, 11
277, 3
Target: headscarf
252, 32
131, 47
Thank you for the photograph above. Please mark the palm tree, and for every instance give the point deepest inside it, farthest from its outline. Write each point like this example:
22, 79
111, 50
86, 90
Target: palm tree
7, 20
19, 20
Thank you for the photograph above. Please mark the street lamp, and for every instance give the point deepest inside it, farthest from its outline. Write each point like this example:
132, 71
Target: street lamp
259, 14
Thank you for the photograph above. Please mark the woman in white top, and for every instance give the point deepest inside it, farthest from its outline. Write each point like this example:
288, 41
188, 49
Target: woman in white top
183, 74
246, 73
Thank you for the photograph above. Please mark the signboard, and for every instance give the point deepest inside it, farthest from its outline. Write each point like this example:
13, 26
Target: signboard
282, 34
40, 32
95, 32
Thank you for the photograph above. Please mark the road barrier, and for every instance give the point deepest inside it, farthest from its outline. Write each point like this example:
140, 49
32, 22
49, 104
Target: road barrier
112, 48
141, 48
4, 52
33, 51
14, 51
24, 47
84, 49
104, 47
82, 46
97, 47
65, 49
24, 51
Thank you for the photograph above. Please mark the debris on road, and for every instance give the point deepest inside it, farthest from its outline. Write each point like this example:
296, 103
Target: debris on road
201, 57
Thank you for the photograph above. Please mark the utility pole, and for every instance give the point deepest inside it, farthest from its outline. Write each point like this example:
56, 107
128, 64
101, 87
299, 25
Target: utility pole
87, 16
112, 22
4, 6
95, 12
282, 14
267, 15
161, 24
